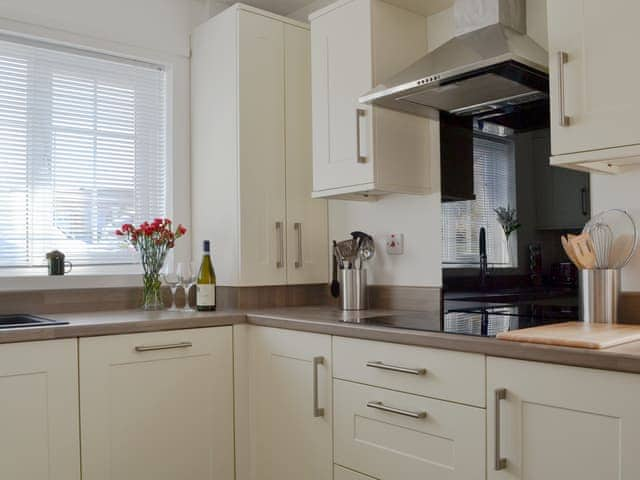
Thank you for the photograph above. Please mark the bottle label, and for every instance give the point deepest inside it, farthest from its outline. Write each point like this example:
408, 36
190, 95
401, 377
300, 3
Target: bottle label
206, 295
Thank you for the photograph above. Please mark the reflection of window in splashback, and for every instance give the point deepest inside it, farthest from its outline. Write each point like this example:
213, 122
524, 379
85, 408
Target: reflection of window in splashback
494, 186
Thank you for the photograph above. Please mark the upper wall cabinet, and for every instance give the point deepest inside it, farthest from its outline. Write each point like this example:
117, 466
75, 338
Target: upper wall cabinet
593, 75
251, 150
359, 150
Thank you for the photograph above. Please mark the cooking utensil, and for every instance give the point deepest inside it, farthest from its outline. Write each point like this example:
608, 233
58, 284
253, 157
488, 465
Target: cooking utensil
602, 238
623, 236
568, 249
366, 246
335, 285
583, 250
348, 252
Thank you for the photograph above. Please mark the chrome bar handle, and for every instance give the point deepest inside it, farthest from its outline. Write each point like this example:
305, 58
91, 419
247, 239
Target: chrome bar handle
500, 463
280, 240
168, 346
394, 368
297, 226
563, 58
317, 411
385, 408
360, 112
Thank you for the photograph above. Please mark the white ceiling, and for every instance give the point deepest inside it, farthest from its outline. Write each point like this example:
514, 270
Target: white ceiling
288, 7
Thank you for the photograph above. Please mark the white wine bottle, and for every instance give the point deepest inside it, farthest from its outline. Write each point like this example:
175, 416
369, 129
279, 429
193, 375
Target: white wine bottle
206, 284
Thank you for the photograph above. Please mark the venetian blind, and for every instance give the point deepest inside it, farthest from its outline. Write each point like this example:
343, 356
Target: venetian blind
494, 181
82, 150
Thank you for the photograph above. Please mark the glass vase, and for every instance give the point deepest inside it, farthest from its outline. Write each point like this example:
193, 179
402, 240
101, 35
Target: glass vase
511, 245
151, 283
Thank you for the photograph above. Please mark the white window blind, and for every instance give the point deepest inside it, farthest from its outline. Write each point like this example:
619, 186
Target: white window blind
494, 181
82, 150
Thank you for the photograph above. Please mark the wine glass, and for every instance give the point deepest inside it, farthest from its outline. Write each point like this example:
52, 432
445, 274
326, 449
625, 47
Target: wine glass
187, 276
170, 278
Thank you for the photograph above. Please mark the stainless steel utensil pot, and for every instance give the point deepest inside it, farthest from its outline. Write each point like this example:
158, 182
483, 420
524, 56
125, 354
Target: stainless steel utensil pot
353, 289
599, 295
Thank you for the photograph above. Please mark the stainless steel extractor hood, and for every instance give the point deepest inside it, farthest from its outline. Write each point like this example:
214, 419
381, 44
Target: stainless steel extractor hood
491, 65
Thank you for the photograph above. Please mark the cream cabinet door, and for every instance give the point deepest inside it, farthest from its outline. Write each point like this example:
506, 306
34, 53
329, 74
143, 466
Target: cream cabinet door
397, 436
341, 65
560, 423
307, 257
290, 405
39, 430
157, 406
261, 149
600, 74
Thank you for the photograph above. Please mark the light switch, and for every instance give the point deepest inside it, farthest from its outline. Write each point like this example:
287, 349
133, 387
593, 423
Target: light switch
395, 244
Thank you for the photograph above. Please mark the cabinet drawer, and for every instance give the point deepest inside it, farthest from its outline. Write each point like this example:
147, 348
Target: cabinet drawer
341, 473
454, 376
415, 438
391, 435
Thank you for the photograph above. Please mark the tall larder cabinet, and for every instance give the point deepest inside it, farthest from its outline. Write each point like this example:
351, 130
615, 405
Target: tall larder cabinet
251, 159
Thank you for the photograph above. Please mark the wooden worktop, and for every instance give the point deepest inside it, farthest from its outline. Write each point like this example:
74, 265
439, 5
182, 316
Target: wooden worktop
327, 320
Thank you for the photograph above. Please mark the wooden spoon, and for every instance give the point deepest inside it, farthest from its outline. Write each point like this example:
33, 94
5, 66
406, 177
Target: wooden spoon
583, 250
568, 249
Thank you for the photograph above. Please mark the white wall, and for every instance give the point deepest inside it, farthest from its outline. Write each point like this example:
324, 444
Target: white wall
153, 30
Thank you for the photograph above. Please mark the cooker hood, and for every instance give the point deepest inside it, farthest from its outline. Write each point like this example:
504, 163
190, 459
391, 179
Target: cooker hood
490, 67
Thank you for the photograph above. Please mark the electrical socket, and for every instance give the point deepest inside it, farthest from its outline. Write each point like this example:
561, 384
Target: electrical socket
395, 244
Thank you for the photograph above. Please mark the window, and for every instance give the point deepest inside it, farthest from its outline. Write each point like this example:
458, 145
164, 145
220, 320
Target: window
494, 182
82, 150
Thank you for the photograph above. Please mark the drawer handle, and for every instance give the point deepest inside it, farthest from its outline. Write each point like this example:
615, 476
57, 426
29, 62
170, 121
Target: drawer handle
394, 368
385, 408
500, 462
168, 346
317, 410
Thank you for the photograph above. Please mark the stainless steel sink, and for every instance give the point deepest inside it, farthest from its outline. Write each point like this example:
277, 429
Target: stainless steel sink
25, 320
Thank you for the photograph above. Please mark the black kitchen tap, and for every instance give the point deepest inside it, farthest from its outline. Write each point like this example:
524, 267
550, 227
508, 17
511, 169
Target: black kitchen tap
484, 270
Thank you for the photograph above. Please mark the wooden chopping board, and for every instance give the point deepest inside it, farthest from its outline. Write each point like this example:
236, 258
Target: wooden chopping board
576, 334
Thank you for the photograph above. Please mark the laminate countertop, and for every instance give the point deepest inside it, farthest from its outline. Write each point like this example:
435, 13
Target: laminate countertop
326, 320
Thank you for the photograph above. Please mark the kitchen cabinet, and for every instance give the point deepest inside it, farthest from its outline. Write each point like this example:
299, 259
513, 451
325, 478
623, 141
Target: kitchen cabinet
561, 195
251, 150
594, 101
157, 406
40, 434
290, 405
555, 422
360, 151
392, 435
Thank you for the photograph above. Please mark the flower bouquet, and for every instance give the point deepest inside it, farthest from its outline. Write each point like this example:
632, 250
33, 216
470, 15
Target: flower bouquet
153, 241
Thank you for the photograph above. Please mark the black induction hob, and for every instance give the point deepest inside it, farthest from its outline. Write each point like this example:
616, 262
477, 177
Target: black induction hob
485, 322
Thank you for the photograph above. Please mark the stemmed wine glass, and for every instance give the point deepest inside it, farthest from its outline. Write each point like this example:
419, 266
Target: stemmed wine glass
187, 276
170, 278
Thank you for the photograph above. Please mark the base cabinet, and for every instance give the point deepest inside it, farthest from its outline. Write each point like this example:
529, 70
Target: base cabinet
39, 431
157, 406
290, 406
397, 436
559, 423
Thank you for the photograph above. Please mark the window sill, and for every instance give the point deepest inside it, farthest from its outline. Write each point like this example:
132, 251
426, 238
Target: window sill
79, 278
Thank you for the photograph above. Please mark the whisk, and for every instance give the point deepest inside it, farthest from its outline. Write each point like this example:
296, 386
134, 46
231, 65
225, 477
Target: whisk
602, 240
614, 238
